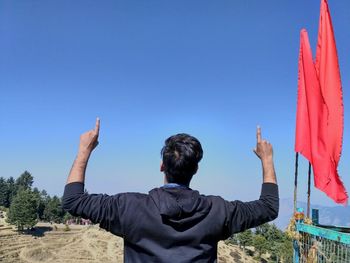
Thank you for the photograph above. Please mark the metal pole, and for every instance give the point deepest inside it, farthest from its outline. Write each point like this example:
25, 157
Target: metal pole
308, 191
296, 181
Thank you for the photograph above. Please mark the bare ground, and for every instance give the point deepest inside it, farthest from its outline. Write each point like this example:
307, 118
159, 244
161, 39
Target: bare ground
51, 243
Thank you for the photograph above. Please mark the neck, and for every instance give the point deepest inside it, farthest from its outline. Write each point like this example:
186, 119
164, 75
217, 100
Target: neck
166, 182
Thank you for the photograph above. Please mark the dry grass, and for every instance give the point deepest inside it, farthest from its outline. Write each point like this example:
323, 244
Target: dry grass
78, 245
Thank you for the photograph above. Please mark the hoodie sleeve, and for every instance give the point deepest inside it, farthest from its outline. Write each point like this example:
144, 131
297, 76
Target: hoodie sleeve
99, 208
243, 215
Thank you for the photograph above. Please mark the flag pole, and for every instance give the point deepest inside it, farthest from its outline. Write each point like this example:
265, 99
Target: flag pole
296, 181
308, 190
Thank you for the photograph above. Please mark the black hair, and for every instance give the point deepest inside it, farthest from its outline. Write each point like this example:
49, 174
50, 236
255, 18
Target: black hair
181, 155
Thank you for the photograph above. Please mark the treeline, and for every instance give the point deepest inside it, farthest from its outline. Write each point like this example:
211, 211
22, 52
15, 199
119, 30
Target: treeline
26, 206
266, 239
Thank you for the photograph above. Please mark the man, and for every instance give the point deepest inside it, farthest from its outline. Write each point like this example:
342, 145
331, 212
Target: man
172, 223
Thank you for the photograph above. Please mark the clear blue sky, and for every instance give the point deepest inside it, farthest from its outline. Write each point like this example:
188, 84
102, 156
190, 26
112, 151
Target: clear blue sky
150, 69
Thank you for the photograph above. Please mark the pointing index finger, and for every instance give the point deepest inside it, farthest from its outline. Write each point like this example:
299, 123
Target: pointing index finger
258, 134
97, 126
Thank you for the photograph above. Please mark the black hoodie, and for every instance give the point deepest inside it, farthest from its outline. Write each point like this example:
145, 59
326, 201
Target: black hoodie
171, 224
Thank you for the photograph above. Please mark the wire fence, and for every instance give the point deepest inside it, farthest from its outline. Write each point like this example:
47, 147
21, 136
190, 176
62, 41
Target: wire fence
317, 244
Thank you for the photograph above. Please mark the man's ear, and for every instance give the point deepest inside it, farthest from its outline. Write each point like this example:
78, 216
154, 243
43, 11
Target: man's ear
162, 168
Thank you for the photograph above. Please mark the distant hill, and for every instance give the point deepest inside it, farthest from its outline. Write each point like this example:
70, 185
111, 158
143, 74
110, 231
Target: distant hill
337, 215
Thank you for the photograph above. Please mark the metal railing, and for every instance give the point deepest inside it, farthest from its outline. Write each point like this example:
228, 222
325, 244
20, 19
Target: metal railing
321, 244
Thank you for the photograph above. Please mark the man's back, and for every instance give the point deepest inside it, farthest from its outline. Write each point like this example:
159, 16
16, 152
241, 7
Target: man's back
171, 223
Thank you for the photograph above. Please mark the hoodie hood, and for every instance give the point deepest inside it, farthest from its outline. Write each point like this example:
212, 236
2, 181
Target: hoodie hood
180, 207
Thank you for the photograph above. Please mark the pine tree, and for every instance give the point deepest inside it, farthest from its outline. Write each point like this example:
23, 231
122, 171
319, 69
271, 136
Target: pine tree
23, 210
39, 202
263, 230
3, 193
24, 181
286, 249
53, 210
43, 200
12, 190
260, 244
245, 238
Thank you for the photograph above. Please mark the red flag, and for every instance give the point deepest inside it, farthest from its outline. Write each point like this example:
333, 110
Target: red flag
311, 114
327, 68
302, 133
311, 125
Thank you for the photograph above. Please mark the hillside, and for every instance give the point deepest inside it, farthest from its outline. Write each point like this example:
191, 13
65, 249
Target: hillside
79, 245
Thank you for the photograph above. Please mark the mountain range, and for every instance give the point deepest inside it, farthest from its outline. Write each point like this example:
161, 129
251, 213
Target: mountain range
335, 216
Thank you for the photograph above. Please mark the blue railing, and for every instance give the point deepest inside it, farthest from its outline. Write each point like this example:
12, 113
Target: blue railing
321, 244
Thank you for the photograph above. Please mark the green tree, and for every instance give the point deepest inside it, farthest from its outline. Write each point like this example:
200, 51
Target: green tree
22, 212
3, 192
286, 249
275, 252
41, 203
275, 239
260, 244
263, 230
53, 210
245, 238
274, 234
24, 181
12, 190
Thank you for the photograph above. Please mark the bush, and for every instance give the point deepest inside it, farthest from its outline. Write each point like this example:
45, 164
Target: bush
66, 228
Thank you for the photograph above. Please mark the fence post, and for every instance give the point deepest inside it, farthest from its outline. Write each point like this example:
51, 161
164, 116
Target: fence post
295, 251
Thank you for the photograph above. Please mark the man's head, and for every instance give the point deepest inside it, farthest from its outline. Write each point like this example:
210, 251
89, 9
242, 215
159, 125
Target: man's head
181, 155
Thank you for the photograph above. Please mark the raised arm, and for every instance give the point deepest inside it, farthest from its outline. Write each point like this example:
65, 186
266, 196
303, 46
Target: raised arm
265, 153
243, 215
99, 208
88, 142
